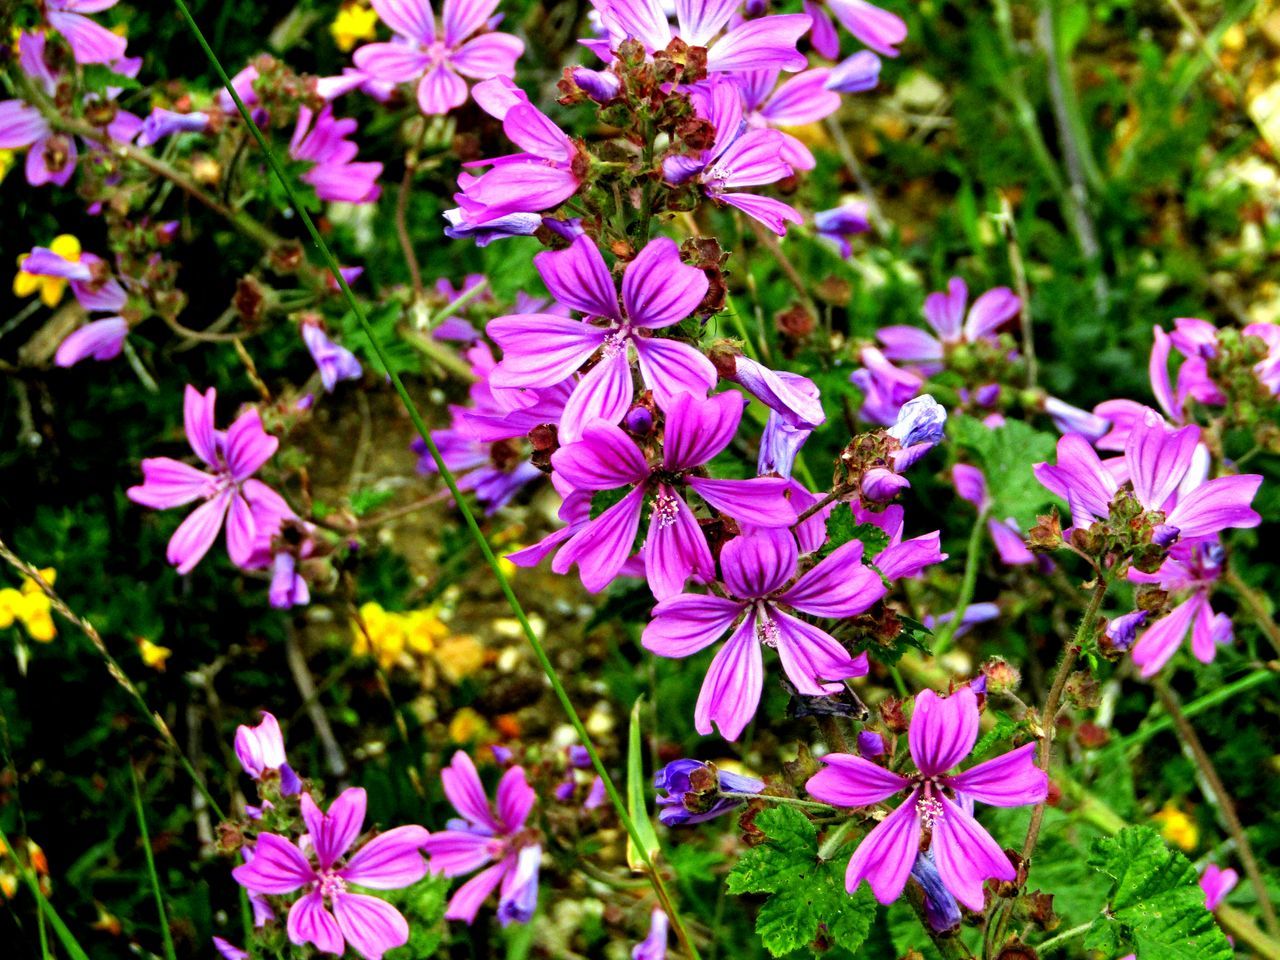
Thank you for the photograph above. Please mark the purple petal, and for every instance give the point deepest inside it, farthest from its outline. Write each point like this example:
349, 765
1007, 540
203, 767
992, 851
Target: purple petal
101, 340
879, 29
1079, 477
90, 42
195, 535
1161, 640
471, 895
489, 55
603, 459
970, 484
731, 691
371, 926
645, 20
533, 131
943, 730
310, 922
885, 856
1158, 370
794, 397
699, 429
760, 501
1009, 780
197, 415
332, 833
909, 344
803, 99
774, 214
541, 348
602, 396
767, 42
857, 74
413, 19
813, 660
1216, 505
756, 564
685, 624
248, 446
455, 852
670, 368
966, 855
945, 311
840, 586
1158, 458
521, 187
658, 289
1011, 547
675, 548
700, 20
604, 545
752, 160
242, 531
440, 90
390, 860
851, 781
277, 867
21, 125
465, 791
908, 558
391, 62
579, 278
989, 311
464, 17
170, 483
515, 800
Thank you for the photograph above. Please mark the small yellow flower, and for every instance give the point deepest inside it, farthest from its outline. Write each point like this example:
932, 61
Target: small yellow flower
423, 630
153, 655
1177, 827
6, 163
30, 607
355, 22
383, 635
467, 726
50, 289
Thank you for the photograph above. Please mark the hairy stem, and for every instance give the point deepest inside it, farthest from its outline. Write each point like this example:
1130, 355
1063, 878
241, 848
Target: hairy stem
1222, 800
473, 526
1257, 607
972, 559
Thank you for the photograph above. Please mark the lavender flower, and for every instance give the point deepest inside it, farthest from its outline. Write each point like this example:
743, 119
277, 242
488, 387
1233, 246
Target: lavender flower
227, 488
1217, 884
321, 139
1193, 564
480, 838
802, 99
692, 791
437, 63
945, 313
676, 548
857, 74
756, 570
90, 41
335, 362
840, 223
653, 946
942, 733
260, 751
328, 915
658, 291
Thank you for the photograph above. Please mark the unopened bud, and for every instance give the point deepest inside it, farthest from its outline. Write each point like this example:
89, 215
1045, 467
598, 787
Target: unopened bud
1001, 676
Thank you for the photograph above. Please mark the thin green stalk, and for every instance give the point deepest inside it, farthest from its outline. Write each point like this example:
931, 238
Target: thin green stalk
972, 559
785, 801
165, 933
446, 474
60, 929
449, 309
246, 922
740, 327
1133, 741
1067, 935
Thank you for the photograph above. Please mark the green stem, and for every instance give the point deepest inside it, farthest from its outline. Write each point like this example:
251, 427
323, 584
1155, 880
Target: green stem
740, 327
615, 798
785, 801
1064, 937
453, 306
972, 559
165, 933
1257, 607
60, 929
1145, 732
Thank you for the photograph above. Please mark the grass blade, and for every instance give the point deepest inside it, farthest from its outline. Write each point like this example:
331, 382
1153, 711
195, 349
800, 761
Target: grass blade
636, 806
60, 929
165, 933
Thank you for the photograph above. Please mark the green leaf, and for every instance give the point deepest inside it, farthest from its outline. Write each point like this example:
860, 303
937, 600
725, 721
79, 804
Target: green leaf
602, 500
1004, 729
636, 805
364, 502
841, 528
1155, 906
808, 898
98, 77
1006, 455
914, 635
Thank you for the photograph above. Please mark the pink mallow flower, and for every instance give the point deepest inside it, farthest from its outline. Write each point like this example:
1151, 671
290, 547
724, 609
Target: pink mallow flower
90, 41
260, 751
1217, 884
328, 915
90, 279
758, 571
321, 139
942, 733
952, 325
437, 62
1193, 565
227, 487
658, 291
509, 851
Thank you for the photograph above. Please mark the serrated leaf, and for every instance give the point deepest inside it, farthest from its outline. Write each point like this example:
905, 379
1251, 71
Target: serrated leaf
636, 806
1005, 728
841, 529
807, 894
1155, 906
1006, 455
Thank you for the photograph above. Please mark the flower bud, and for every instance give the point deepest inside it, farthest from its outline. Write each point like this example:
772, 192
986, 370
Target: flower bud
1001, 676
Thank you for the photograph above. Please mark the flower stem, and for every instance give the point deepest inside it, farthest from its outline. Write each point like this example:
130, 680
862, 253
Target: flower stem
166, 935
615, 798
45, 908
972, 558
1222, 800
1257, 607
1198, 706
1060, 939
785, 801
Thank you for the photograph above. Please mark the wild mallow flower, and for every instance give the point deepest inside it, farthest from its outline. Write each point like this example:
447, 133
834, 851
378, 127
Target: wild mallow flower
971, 485
940, 907
90, 41
885, 387
802, 99
607, 458
840, 223
1193, 564
951, 324
658, 291
795, 409
764, 43
162, 123
757, 570
874, 26
694, 792
856, 74
321, 139
941, 735
334, 361
1167, 471
1217, 884
328, 915
549, 171
653, 946
737, 158
481, 838
226, 488
260, 751
902, 558
435, 61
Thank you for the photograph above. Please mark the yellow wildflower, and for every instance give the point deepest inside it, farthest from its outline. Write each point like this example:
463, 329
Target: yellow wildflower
50, 289
1177, 827
153, 655
383, 635
30, 607
6, 163
355, 22
467, 726
8, 885
423, 629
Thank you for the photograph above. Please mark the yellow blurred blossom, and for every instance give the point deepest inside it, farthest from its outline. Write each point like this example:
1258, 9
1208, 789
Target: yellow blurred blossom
153, 655
467, 726
8, 885
423, 630
459, 657
29, 606
1177, 827
392, 637
354, 23
6, 163
50, 289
